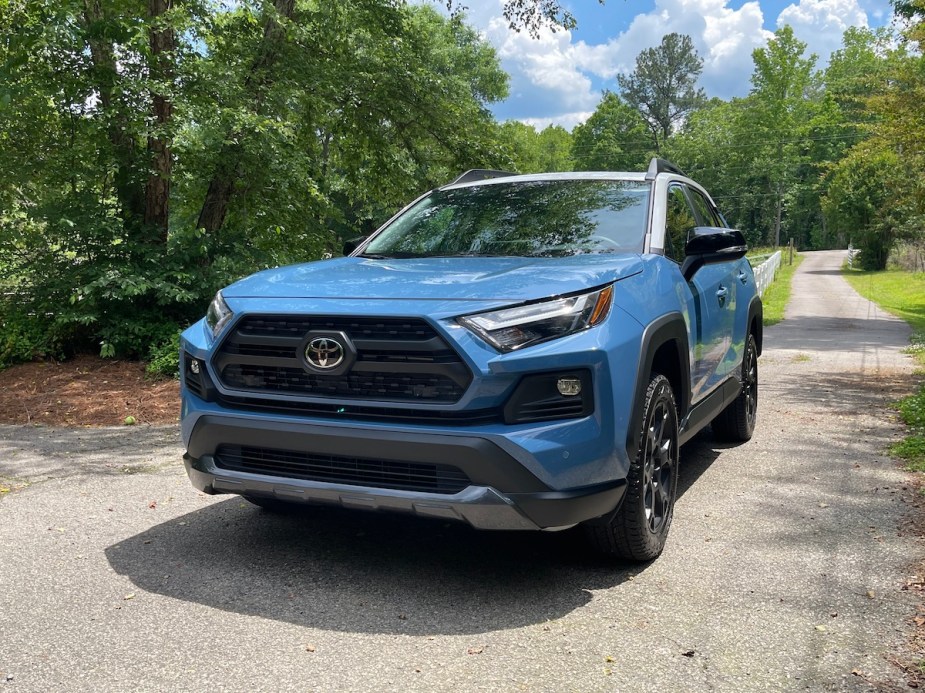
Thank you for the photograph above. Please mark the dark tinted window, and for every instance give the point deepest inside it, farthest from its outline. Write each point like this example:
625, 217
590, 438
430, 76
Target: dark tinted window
705, 213
679, 222
539, 218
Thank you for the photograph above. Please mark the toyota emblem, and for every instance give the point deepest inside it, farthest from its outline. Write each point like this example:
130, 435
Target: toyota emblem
324, 353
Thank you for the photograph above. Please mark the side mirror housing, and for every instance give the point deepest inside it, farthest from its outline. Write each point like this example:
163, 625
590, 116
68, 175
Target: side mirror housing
708, 245
353, 244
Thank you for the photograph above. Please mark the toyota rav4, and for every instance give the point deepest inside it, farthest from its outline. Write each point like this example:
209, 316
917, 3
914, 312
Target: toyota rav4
515, 352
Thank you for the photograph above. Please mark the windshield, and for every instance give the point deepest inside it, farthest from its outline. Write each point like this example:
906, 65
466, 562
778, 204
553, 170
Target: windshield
526, 219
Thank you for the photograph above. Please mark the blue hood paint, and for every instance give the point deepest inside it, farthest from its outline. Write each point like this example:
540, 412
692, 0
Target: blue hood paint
454, 279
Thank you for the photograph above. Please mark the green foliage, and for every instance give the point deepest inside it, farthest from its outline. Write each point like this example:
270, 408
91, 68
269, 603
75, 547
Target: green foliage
663, 87
537, 152
777, 295
614, 138
164, 358
266, 131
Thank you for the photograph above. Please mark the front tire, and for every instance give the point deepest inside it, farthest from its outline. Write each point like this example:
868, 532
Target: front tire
736, 423
639, 528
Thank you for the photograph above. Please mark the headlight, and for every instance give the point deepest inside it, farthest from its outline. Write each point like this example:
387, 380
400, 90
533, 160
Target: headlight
218, 314
514, 328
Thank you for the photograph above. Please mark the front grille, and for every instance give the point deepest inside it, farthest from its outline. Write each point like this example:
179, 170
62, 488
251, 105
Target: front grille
335, 469
397, 359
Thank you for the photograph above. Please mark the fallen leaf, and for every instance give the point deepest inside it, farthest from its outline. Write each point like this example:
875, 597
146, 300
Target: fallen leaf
152, 504
608, 659
309, 648
476, 650
689, 653
821, 629
871, 594
129, 596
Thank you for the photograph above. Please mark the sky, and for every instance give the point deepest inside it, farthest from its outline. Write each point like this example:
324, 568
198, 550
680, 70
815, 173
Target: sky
558, 78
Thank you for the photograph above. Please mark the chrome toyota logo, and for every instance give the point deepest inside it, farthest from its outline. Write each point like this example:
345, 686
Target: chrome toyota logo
324, 353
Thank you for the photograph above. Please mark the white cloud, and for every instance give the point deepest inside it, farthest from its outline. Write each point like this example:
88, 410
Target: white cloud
821, 23
558, 79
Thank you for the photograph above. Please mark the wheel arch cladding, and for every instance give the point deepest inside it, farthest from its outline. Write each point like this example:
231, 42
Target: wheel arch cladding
664, 350
756, 321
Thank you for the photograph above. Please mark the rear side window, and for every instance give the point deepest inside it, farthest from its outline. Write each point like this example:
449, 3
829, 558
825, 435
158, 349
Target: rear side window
679, 222
706, 215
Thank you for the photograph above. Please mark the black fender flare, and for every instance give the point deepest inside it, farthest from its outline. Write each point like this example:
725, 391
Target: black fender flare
670, 328
756, 316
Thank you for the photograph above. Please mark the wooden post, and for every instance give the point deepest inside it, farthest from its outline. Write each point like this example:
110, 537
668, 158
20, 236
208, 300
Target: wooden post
791, 251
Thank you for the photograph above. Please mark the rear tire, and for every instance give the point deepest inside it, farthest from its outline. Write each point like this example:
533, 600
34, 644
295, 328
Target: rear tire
639, 528
736, 423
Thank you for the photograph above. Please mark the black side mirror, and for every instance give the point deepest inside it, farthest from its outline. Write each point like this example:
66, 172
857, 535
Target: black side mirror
353, 244
708, 245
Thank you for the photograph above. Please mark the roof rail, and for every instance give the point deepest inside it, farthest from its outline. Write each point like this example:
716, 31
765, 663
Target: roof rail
477, 174
657, 166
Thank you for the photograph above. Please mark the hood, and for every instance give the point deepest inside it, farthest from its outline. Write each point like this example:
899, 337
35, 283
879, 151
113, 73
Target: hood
462, 279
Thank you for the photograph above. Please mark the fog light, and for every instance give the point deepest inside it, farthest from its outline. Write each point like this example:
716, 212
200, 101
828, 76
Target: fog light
569, 387
194, 367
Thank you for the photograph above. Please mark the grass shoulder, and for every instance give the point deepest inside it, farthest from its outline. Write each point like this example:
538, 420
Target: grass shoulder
902, 294
778, 293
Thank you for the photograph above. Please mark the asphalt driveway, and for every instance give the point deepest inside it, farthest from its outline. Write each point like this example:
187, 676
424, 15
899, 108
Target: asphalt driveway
784, 569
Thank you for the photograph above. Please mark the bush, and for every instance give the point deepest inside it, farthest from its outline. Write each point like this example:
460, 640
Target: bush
164, 358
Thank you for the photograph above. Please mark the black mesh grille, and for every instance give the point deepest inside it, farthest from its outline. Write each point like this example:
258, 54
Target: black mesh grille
397, 359
353, 471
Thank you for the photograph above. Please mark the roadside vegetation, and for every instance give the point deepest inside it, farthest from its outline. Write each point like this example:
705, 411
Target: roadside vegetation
154, 151
903, 294
778, 293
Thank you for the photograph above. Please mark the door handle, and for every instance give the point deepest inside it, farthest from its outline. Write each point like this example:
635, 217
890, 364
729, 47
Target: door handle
743, 277
721, 294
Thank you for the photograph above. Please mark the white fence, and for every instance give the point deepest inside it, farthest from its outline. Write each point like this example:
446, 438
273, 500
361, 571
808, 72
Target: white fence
764, 273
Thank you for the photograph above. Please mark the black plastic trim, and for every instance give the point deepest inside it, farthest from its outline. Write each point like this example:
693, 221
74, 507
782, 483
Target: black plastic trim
482, 461
536, 398
707, 409
666, 329
756, 317
563, 508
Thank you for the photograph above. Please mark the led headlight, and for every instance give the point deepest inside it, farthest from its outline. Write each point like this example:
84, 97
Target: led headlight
218, 314
514, 328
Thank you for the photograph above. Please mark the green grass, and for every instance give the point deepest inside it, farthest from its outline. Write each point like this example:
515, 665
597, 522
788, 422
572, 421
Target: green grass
776, 296
903, 294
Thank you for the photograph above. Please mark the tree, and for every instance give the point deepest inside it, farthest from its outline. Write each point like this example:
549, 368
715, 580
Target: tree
614, 138
153, 151
663, 85
537, 152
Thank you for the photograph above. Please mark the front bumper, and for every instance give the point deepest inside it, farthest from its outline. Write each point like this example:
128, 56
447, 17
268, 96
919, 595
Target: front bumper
502, 494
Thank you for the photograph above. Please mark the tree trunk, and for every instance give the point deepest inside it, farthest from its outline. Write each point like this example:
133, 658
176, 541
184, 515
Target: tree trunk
128, 188
157, 189
224, 179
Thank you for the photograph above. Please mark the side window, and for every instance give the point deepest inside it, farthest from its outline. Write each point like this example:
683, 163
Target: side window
679, 221
705, 213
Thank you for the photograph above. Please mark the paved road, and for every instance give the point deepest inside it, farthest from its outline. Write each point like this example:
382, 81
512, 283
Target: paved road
783, 570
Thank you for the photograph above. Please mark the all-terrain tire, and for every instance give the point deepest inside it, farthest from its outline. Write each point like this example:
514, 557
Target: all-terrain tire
736, 423
639, 528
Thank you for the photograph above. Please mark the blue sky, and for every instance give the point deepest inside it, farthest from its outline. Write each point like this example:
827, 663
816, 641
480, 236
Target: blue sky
558, 77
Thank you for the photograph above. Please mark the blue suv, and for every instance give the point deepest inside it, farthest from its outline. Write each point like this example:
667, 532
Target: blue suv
516, 352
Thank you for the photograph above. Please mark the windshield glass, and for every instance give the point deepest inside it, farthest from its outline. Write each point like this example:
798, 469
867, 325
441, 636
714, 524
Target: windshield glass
535, 219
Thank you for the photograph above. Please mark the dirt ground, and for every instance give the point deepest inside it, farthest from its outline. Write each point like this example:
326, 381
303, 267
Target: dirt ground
86, 391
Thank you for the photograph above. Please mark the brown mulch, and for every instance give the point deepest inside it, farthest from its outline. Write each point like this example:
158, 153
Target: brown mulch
86, 391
